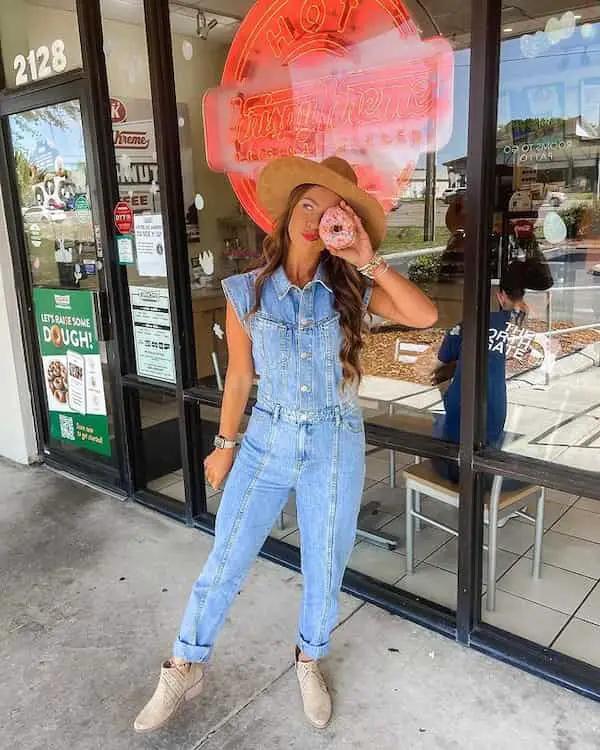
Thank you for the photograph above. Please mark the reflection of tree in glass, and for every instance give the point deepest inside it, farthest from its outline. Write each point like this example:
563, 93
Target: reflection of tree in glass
28, 175
25, 174
531, 130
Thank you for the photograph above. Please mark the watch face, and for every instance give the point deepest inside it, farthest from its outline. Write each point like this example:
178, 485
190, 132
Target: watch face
219, 442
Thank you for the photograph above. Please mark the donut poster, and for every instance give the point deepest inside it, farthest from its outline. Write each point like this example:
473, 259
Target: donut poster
72, 368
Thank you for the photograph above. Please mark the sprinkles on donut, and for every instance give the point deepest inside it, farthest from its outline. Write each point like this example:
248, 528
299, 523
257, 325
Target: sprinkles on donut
337, 229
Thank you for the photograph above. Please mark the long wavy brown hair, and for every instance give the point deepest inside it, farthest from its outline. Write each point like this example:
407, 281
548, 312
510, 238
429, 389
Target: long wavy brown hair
347, 284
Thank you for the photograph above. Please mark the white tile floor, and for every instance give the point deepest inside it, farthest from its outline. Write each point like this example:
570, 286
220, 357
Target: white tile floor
561, 610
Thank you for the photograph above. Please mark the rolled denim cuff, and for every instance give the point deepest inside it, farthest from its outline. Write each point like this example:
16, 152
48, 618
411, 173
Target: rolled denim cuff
190, 653
315, 652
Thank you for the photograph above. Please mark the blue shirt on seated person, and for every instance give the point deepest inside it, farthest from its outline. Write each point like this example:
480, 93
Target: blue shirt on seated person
519, 276
496, 379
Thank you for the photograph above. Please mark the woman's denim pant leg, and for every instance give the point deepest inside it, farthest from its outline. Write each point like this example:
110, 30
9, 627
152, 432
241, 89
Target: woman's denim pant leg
324, 462
328, 494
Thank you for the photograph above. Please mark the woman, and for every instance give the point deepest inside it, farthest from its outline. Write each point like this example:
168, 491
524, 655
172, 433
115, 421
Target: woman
297, 321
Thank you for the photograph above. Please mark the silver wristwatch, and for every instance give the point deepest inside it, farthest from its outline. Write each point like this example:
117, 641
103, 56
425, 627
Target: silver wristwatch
221, 442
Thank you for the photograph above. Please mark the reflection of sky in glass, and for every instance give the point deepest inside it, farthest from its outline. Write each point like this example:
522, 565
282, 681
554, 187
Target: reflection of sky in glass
457, 145
549, 83
559, 70
32, 132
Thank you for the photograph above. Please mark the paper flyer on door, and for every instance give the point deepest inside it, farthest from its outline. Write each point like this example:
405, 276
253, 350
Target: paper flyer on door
68, 337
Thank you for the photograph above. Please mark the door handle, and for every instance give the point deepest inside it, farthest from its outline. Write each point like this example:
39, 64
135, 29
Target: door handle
102, 316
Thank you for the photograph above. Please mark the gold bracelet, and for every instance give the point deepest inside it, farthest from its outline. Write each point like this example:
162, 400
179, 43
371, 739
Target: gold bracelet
369, 268
380, 270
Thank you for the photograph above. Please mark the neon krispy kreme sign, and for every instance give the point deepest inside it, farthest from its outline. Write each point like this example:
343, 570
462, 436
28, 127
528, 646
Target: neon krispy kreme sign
379, 107
131, 139
318, 77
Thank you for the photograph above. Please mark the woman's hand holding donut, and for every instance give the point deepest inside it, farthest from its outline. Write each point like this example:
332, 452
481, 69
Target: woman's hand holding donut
217, 466
361, 252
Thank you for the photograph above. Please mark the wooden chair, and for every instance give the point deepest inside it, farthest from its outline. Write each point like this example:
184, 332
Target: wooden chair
422, 478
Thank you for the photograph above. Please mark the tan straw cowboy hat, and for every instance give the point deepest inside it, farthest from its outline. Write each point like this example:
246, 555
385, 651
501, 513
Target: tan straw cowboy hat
281, 176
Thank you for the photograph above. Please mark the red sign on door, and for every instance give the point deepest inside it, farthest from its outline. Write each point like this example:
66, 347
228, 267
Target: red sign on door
123, 218
315, 78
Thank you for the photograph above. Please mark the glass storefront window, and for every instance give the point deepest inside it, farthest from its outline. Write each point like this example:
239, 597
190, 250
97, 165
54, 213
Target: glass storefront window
221, 237
66, 267
161, 445
139, 235
559, 608
54, 192
415, 164
547, 214
39, 39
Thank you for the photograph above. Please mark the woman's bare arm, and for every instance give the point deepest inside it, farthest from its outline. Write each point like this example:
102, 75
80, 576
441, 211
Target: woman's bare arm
399, 300
239, 377
238, 382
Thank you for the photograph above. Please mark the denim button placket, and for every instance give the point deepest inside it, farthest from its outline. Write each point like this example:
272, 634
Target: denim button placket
305, 344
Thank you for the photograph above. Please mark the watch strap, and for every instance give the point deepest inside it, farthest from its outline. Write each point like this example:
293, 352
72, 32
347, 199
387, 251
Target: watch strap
221, 442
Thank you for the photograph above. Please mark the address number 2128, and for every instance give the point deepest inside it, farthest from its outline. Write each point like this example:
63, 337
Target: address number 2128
40, 62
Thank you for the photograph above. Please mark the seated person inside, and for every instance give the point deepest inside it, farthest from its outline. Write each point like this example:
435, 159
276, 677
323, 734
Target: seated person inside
519, 276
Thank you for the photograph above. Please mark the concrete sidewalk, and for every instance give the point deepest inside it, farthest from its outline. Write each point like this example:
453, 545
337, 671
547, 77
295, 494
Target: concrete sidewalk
92, 590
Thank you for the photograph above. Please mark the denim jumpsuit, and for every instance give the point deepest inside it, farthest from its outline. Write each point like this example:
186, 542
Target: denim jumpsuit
305, 434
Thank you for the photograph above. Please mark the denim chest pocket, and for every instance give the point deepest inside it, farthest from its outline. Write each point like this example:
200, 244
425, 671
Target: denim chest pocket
328, 340
329, 334
272, 347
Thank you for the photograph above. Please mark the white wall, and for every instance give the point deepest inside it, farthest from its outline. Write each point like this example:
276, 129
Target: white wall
17, 433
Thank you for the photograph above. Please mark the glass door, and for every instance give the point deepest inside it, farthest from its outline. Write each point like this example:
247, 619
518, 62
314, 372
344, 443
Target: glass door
65, 262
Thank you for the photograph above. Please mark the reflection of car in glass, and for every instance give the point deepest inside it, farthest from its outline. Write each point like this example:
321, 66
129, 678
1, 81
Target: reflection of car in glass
55, 192
595, 270
453, 192
39, 214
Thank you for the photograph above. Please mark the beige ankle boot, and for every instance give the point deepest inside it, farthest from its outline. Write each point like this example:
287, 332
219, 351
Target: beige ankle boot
315, 695
176, 684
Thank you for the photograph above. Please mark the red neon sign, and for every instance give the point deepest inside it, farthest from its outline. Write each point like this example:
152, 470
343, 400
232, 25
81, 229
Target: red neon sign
322, 77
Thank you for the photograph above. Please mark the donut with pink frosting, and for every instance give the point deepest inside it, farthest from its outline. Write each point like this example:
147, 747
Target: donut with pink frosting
337, 229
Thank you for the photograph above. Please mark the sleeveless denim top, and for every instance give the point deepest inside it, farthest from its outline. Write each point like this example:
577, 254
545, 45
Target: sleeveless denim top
296, 340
